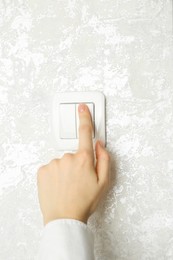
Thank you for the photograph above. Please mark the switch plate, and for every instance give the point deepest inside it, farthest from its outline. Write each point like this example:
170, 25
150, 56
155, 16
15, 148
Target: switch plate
65, 120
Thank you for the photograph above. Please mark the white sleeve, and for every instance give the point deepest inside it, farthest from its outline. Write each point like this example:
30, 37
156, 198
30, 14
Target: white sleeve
66, 239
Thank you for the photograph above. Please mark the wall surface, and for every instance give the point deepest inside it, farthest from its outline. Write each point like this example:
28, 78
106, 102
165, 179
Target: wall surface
123, 49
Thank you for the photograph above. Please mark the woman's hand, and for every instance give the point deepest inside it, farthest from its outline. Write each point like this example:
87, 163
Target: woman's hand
71, 187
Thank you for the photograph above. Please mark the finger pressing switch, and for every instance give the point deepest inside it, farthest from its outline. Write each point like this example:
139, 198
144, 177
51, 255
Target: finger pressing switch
92, 112
67, 118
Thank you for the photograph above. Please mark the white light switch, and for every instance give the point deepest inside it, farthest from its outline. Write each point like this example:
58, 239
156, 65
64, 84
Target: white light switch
91, 109
67, 115
65, 118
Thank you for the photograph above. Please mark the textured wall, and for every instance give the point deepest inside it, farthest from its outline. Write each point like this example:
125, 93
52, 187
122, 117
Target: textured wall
124, 49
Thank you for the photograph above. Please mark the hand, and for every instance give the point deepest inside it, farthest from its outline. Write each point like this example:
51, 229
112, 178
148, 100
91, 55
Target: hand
71, 187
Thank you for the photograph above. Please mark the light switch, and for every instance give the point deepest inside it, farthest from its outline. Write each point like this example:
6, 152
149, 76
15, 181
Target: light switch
67, 116
91, 108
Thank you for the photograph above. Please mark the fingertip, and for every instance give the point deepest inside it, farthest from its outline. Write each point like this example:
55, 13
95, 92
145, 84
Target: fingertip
81, 107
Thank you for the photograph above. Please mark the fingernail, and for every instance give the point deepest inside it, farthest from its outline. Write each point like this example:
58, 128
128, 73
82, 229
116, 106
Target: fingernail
81, 107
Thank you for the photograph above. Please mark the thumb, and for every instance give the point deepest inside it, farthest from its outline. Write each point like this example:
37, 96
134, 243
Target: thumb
102, 164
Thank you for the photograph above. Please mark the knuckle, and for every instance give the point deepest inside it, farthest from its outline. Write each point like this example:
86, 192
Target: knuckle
67, 156
84, 157
85, 154
53, 162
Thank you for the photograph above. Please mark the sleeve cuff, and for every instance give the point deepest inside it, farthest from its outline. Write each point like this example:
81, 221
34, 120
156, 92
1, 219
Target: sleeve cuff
66, 239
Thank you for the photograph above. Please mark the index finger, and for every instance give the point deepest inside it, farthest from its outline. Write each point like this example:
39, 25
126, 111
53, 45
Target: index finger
85, 129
